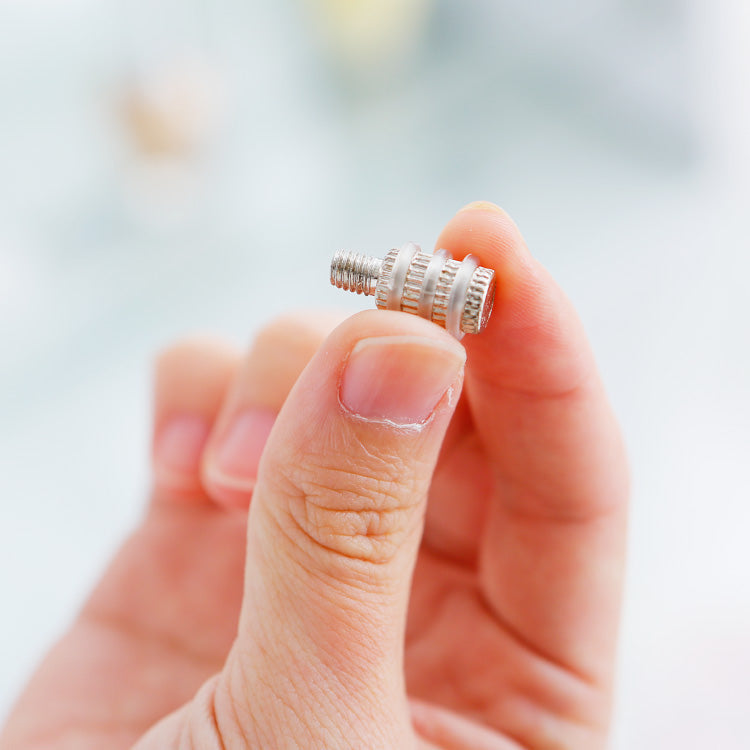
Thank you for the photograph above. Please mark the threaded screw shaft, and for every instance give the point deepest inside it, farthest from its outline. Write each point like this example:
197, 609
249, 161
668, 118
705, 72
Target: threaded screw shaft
457, 296
355, 272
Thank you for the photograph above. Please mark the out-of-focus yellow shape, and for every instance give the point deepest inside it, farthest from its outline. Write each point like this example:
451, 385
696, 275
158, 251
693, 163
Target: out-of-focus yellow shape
366, 33
173, 109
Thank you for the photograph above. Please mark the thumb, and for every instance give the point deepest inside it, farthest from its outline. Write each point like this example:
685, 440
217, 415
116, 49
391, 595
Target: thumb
333, 534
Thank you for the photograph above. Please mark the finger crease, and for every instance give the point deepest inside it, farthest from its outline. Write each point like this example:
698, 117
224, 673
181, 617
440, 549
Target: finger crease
534, 650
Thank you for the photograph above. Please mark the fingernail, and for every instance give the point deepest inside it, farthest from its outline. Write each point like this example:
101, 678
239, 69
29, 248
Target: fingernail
235, 463
481, 206
399, 379
178, 448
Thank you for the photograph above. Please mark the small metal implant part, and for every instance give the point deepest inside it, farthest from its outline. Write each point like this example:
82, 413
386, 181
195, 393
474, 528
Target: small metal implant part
457, 295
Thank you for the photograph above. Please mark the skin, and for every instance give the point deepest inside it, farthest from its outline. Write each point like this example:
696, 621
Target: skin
453, 585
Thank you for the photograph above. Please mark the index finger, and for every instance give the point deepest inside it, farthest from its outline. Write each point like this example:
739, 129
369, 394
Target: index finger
553, 546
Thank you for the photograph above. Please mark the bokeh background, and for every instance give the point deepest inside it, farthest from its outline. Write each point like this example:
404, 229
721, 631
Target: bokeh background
167, 167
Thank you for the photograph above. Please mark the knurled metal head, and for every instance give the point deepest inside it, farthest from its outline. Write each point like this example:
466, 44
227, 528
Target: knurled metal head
456, 295
480, 299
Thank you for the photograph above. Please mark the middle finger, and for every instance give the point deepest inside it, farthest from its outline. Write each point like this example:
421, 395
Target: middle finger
269, 370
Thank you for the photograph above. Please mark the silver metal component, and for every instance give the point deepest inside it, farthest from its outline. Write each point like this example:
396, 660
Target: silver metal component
395, 281
430, 282
456, 295
355, 272
480, 298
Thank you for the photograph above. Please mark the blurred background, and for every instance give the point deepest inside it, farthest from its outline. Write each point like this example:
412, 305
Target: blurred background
167, 167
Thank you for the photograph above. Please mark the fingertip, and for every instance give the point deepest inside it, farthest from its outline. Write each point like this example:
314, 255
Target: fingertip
192, 374
533, 339
298, 331
399, 380
191, 377
375, 360
193, 350
482, 206
486, 230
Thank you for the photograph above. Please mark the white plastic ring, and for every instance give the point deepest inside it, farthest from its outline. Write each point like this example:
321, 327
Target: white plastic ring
398, 275
457, 298
430, 282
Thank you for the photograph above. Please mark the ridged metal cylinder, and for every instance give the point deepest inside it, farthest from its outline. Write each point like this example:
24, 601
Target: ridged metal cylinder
456, 295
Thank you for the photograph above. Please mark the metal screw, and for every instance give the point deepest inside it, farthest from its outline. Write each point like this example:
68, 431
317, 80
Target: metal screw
457, 295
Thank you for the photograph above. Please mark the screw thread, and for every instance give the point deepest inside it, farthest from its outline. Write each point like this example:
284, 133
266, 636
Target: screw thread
355, 272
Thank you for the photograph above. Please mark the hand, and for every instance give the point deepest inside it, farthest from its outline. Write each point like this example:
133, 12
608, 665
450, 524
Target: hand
493, 606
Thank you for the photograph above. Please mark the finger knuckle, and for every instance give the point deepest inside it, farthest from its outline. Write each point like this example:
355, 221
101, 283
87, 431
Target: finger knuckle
361, 508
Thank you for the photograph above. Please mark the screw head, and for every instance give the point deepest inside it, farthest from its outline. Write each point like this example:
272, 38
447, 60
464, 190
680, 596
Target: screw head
480, 300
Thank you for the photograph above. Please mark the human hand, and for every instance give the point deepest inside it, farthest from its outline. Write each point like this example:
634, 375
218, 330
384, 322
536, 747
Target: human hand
484, 619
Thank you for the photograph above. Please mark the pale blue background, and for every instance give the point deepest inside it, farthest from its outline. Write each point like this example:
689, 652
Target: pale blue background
616, 133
